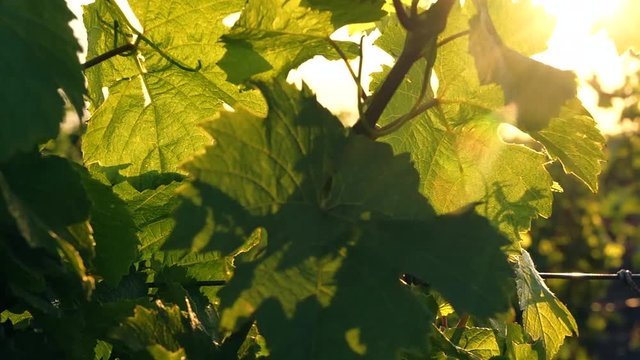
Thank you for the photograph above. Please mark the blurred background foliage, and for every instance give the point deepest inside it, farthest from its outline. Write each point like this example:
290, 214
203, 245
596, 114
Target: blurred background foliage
598, 233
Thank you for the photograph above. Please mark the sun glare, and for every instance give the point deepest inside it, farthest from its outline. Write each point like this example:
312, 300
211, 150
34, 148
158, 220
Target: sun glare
576, 44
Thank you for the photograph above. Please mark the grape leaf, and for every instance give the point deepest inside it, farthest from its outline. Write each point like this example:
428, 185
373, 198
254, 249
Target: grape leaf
447, 350
523, 27
456, 149
114, 230
358, 11
579, 151
148, 138
160, 331
576, 142
136, 125
43, 59
100, 18
538, 90
169, 25
274, 36
337, 229
42, 206
151, 212
480, 342
103, 350
51, 215
544, 317
158, 352
517, 346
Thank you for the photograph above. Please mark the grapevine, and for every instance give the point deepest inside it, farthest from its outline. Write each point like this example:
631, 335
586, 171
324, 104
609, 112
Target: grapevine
216, 211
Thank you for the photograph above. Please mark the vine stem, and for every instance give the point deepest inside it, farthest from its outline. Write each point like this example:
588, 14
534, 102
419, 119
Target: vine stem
381, 98
108, 55
422, 30
455, 36
343, 56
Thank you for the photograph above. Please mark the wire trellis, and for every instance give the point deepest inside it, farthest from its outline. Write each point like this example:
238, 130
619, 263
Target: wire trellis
623, 275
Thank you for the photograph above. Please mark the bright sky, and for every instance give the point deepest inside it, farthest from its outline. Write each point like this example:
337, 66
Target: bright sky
572, 46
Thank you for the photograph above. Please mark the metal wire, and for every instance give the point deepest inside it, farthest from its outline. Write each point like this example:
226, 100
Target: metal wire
201, 283
583, 276
623, 275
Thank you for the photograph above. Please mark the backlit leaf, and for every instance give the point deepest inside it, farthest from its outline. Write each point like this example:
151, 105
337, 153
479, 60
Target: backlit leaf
480, 342
576, 142
151, 212
274, 36
149, 122
544, 317
466, 162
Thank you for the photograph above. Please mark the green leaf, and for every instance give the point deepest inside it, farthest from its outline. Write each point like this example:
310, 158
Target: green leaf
447, 350
114, 230
544, 317
151, 212
43, 59
43, 194
455, 147
522, 26
462, 96
158, 352
480, 342
45, 197
168, 25
344, 219
274, 36
161, 332
448, 246
15, 318
538, 90
357, 11
574, 140
150, 120
103, 350
517, 346
147, 138
99, 20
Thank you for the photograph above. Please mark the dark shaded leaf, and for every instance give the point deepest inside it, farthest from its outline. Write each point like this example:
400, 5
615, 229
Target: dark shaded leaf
341, 231
42, 59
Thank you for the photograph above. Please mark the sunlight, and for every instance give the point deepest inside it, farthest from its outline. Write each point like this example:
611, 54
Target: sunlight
574, 45
574, 40
331, 80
